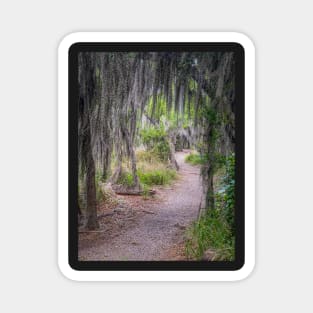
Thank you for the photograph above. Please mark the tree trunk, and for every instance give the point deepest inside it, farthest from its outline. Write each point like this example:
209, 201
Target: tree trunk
203, 202
118, 170
208, 199
85, 106
91, 212
134, 168
132, 155
210, 202
106, 165
172, 152
210, 169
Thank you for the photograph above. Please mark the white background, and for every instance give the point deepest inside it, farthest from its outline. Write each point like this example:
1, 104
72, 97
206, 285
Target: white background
30, 33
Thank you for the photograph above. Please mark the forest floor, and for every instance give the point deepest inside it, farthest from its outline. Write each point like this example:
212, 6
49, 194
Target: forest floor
147, 229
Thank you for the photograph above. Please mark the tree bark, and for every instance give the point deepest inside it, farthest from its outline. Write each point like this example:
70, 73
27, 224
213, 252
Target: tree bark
210, 202
106, 164
208, 199
91, 212
132, 155
173, 161
86, 105
118, 170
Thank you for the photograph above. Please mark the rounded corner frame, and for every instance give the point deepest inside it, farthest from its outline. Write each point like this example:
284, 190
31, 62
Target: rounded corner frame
63, 259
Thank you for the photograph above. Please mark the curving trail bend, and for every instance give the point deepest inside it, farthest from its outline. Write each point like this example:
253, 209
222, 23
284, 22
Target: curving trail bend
153, 229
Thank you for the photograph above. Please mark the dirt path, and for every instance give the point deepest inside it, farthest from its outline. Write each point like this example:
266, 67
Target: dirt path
150, 229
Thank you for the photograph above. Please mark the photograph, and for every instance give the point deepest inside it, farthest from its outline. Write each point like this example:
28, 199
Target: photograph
156, 155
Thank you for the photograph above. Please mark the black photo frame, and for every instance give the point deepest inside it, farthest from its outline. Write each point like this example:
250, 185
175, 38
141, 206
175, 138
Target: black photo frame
239, 261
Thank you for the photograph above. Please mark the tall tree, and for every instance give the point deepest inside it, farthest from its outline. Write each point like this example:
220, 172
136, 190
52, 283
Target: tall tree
115, 90
87, 84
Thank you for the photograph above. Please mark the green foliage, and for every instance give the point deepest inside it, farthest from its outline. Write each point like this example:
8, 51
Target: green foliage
144, 156
211, 232
150, 171
155, 140
196, 159
99, 180
152, 135
160, 107
226, 195
156, 177
146, 190
149, 178
216, 229
126, 179
162, 150
219, 161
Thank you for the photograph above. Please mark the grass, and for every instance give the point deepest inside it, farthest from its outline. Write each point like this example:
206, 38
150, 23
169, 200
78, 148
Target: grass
150, 170
215, 231
196, 159
144, 156
126, 179
146, 193
211, 232
158, 176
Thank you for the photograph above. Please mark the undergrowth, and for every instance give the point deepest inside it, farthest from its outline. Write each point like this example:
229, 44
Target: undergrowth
196, 159
215, 230
156, 142
211, 232
126, 179
161, 176
151, 171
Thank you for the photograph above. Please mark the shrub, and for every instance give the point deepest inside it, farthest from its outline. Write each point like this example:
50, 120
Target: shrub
151, 171
196, 159
155, 140
225, 197
156, 177
144, 156
126, 179
149, 176
99, 180
211, 231
162, 150
216, 229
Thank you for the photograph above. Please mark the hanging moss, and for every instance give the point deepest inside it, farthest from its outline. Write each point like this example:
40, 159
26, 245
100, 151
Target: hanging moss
191, 90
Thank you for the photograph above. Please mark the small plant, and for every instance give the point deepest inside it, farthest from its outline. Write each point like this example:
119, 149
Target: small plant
156, 177
99, 194
154, 174
216, 229
227, 194
145, 156
156, 142
126, 179
211, 232
196, 159
146, 191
